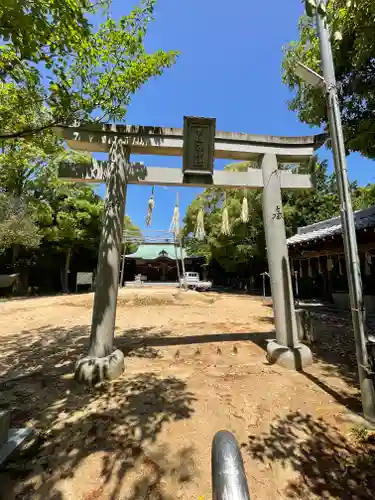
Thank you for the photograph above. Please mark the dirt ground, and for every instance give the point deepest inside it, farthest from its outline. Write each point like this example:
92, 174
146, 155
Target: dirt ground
195, 365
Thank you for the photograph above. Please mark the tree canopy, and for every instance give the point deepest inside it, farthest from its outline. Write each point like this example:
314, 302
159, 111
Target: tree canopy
61, 62
80, 71
246, 242
353, 43
134, 230
43, 220
17, 226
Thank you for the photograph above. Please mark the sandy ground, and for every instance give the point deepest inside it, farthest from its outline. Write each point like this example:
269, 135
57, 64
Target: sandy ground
195, 365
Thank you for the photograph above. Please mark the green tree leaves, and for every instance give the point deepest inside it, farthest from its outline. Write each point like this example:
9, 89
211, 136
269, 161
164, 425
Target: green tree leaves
76, 70
131, 231
353, 43
39, 213
17, 226
246, 243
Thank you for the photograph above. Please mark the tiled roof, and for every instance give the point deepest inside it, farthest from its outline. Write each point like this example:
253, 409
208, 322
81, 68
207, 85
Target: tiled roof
154, 251
329, 227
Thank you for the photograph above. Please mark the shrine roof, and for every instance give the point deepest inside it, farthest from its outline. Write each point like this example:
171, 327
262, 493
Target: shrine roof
156, 251
363, 219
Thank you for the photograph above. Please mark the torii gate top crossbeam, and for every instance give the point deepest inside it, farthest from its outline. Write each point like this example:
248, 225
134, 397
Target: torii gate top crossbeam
169, 142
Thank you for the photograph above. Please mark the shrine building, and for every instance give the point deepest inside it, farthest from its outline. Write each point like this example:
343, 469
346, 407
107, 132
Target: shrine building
317, 260
158, 262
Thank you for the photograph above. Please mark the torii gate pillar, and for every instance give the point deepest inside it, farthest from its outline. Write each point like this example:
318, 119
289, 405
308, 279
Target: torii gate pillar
286, 350
103, 360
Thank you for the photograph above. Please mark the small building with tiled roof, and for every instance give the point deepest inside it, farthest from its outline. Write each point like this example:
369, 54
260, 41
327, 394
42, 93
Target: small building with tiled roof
317, 260
159, 261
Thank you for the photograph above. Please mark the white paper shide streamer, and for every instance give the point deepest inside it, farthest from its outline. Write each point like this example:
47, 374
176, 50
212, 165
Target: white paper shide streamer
199, 232
175, 226
225, 227
150, 207
245, 210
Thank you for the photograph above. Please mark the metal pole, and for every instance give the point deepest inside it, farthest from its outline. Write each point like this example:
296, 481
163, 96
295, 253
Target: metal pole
264, 285
177, 264
347, 220
228, 473
296, 285
123, 261
182, 263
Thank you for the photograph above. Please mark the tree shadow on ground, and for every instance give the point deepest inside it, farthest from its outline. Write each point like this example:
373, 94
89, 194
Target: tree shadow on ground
335, 346
49, 347
351, 401
329, 464
334, 349
120, 420
31, 351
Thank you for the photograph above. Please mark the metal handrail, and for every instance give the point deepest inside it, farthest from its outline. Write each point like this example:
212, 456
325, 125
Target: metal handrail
228, 473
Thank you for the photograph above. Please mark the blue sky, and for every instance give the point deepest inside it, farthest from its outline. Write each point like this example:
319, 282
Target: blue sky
229, 68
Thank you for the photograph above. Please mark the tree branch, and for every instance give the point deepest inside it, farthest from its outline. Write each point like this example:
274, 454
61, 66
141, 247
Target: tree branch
27, 131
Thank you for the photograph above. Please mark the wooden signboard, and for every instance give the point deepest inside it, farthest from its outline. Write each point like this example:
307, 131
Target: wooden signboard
199, 146
84, 278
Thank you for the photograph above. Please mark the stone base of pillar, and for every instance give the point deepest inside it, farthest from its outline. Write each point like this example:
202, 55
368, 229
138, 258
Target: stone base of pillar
295, 358
91, 370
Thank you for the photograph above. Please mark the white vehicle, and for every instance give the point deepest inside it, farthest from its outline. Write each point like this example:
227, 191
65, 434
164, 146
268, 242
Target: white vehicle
191, 280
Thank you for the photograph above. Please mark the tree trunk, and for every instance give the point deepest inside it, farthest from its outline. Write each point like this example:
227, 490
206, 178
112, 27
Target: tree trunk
68, 257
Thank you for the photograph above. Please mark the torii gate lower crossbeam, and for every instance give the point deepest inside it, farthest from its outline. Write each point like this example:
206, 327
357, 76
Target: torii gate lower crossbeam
103, 361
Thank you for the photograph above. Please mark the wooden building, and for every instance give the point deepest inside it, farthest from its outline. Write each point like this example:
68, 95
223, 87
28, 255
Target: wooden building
158, 262
317, 260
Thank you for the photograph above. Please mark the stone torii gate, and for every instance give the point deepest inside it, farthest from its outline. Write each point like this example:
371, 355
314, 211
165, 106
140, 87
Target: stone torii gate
198, 143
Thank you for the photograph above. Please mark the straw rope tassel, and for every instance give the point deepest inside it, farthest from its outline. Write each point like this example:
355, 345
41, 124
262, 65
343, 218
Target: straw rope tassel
225, 228
300, 268
200, 232
245, 210
150, 207
174, 227
309, 268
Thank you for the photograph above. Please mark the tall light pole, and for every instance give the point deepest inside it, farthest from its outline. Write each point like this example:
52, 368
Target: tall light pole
364, 346
123, 259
